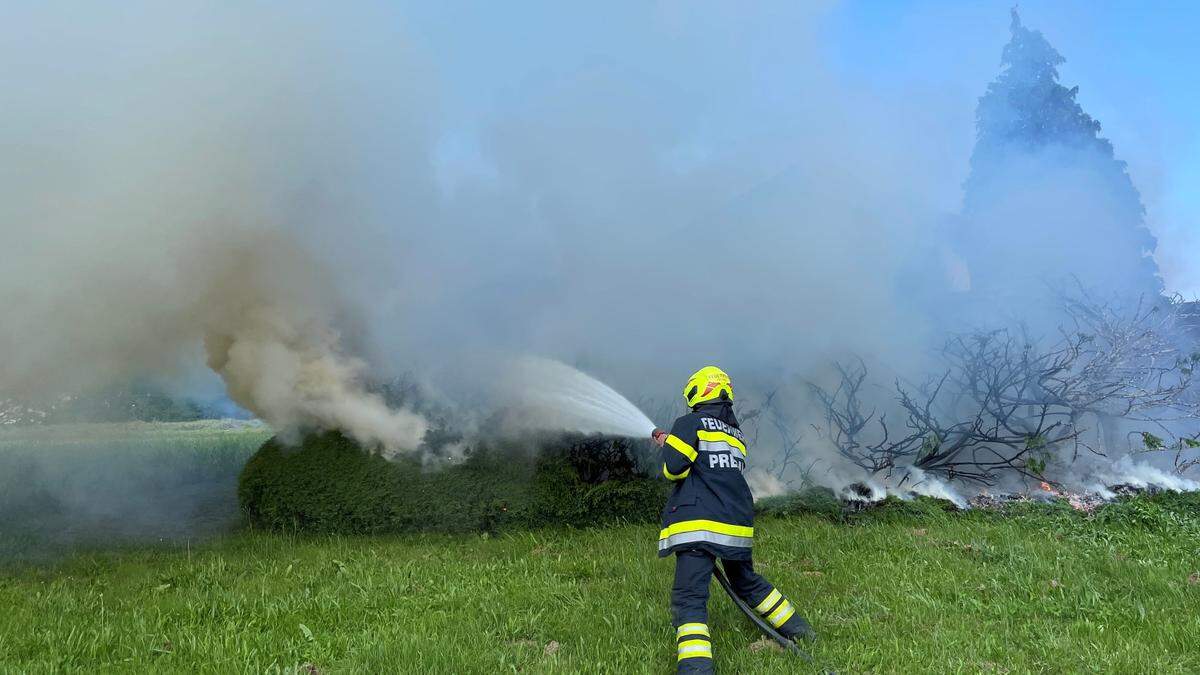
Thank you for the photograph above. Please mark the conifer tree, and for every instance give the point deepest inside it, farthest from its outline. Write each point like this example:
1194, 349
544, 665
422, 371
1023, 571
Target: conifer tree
1046, 198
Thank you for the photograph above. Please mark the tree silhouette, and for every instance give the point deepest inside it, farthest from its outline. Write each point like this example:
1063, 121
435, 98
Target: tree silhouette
1046, 197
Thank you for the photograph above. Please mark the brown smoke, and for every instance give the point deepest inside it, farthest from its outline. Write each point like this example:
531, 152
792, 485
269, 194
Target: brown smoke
157, 203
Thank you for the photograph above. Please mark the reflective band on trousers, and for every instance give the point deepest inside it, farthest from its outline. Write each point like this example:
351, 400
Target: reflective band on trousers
707, 537
781, 615
691, 629
691, 649
768, 602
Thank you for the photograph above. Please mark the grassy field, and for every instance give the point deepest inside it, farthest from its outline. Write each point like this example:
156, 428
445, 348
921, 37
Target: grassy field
105, 566
65, 485
897, 592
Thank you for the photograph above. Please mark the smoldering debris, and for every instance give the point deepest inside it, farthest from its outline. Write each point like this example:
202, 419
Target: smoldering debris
858, 497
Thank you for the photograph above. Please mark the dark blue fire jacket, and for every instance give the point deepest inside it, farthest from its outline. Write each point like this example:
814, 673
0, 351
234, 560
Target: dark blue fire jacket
711, 507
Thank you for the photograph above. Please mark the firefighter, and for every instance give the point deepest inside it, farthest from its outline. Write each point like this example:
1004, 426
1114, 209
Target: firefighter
710, 516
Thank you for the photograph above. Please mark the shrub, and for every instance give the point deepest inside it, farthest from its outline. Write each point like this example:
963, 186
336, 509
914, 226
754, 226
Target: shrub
819, 501
329, 484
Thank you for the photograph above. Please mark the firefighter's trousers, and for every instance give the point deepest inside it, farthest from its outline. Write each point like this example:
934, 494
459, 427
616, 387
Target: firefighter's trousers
689, 605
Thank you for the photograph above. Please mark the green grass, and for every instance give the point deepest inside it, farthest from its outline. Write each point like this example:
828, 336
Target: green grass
100, 571
899, 591
197, 433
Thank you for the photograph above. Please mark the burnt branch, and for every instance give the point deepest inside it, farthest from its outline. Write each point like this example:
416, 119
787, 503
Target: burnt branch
1008, 402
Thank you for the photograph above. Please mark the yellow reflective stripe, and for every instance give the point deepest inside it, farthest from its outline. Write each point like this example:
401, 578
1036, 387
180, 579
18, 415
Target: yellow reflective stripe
781, 614
787, 615
691, 629
683, 448
721, 437
772, 598
708, 525
691, 649
676, 476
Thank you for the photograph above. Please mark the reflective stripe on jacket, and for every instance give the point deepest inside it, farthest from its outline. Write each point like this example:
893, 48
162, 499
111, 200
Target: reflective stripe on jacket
711, 507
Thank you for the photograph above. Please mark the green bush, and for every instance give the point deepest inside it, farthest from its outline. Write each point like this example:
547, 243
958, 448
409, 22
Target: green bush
823, 502
819, 501
329, 484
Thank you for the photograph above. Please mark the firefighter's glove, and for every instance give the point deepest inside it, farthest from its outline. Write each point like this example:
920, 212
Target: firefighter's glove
659, 437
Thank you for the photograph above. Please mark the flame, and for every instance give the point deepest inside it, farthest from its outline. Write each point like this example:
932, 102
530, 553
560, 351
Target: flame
1046, 487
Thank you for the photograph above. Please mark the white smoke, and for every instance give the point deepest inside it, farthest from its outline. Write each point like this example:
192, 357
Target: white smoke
184, 192
853, 485
1127, 471
306, 198
764, 484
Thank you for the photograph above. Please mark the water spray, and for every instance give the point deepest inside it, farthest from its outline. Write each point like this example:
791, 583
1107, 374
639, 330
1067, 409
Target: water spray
558, 397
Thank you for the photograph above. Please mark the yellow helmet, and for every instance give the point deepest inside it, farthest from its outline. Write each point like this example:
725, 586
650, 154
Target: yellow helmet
707, 384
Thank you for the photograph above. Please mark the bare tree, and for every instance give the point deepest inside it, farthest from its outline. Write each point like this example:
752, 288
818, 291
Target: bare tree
1130, 362
1008, 397
971, 423
1008, 403
847, 424
785, 464
1183, 463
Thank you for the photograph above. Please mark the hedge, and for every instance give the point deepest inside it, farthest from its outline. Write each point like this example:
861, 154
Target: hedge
329, 484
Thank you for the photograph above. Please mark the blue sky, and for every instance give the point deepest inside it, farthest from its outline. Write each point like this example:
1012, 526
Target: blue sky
1133, 62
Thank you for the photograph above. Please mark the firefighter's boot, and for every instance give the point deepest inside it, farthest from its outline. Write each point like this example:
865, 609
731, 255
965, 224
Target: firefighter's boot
797, 629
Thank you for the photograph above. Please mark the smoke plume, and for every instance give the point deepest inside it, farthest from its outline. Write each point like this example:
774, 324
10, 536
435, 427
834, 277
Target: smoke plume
300, 199
159, 203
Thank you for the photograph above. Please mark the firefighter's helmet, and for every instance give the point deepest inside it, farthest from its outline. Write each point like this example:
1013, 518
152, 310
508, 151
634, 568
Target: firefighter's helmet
707, 384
